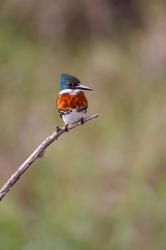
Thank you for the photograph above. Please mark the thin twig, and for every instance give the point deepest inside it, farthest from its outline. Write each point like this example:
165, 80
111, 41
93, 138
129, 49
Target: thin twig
38, 152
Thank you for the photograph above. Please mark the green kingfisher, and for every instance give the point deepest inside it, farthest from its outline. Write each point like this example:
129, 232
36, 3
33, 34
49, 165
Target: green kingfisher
72, 103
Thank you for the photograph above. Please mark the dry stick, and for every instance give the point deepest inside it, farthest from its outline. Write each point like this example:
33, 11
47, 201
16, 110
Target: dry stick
39, 152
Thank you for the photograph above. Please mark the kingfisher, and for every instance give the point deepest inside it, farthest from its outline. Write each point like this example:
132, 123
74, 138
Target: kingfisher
72, 103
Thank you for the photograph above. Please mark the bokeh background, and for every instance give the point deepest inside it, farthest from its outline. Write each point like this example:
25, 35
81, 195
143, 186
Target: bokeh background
102, 185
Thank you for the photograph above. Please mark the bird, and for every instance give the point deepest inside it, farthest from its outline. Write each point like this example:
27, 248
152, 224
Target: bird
72, 103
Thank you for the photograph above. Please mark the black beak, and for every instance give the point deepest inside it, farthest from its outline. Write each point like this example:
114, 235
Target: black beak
81, 86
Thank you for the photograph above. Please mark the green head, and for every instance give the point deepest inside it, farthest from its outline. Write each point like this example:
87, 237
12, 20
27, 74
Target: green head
71, 82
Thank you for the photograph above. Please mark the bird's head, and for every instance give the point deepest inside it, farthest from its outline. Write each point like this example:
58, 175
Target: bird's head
71, 82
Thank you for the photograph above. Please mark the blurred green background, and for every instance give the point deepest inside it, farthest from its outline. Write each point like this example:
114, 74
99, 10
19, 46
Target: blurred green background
102, 185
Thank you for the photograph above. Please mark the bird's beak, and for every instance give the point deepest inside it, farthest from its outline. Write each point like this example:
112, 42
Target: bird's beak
81, 86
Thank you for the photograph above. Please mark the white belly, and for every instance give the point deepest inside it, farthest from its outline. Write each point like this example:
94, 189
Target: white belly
73, 117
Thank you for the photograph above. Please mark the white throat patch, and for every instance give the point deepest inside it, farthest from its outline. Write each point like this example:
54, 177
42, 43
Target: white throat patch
70, 91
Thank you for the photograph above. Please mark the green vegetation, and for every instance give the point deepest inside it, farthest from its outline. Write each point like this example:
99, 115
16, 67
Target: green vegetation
101, 186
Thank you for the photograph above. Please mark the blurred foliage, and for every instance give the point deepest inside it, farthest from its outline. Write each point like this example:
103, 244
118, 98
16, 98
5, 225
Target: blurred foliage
101, 186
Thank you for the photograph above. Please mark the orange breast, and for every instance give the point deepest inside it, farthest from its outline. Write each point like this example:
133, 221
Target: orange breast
69, 101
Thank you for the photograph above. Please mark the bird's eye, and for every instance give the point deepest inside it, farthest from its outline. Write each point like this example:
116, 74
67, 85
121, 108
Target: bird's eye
70, 85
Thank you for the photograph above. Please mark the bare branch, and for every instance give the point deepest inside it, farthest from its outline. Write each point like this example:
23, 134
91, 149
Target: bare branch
38, 152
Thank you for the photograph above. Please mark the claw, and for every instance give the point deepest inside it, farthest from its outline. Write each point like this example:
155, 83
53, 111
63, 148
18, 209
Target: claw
66, 128
58, 129
82, 121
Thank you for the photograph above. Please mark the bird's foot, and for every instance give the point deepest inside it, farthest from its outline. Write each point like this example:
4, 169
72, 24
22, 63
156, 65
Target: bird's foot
58, 129
66, 128
82, 121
